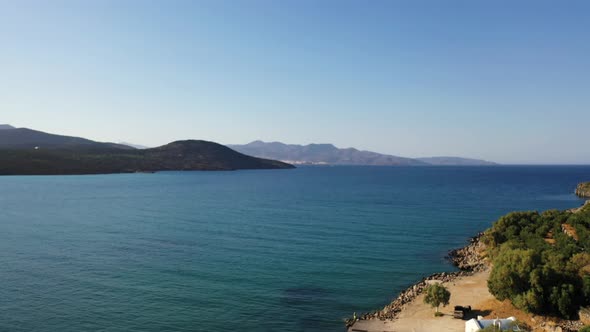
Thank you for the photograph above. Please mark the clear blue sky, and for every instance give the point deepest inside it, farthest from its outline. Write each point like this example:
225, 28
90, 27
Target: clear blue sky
507, 81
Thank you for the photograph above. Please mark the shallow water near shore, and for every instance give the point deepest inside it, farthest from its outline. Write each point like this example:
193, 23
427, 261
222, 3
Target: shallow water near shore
282, 250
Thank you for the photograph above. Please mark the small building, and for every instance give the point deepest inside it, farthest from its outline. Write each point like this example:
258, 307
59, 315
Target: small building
507, 324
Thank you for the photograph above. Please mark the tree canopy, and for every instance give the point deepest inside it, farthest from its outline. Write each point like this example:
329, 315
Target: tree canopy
436, 295
541, 261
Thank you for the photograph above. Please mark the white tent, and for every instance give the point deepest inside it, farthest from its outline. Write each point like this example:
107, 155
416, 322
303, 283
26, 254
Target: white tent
507, 324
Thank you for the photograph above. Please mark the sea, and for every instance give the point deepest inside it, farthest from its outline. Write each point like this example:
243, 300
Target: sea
256, 250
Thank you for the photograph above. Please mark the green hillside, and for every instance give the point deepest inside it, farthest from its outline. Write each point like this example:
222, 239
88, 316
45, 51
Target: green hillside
30, 152
541, 261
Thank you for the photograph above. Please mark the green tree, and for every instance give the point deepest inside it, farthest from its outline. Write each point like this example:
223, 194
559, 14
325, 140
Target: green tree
586, 288
536, 265
436, 295
511, 273
561, 298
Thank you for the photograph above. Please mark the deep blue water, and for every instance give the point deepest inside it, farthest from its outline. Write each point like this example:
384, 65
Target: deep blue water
291, 250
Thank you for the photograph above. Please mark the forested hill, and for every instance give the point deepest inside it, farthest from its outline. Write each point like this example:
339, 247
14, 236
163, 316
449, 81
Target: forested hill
541, 261
30, 152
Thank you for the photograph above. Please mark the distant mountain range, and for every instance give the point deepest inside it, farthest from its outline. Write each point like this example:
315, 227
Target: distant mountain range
29, 152
137, 146
455, 161
328, 154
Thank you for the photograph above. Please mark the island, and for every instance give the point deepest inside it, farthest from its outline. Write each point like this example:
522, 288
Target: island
530, 267
583, 190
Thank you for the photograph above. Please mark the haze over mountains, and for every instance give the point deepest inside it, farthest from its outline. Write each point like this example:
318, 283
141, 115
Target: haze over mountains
328, 154
137, 146
455, 161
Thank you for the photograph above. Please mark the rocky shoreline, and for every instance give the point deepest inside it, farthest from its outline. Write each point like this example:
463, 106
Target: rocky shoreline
468, 259
578, 209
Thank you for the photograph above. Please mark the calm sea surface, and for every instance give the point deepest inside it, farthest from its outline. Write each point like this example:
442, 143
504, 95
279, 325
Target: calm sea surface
284, 250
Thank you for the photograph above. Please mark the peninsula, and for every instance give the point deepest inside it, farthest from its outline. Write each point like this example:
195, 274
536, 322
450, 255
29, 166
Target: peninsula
29, 152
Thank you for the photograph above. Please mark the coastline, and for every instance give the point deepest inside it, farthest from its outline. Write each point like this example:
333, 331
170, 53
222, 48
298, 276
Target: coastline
468, 286
468, 259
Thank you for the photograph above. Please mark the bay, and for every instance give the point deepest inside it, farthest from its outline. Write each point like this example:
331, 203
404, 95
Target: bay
278, 250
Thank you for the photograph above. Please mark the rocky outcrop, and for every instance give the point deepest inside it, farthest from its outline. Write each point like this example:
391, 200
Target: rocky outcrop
570, 231
584, 314
583, 189
468, 259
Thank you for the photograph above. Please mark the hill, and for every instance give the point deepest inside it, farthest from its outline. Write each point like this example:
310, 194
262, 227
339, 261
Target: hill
540, 261
30, 152
455, 161
328, 154
197, 155
24, 138
6, 127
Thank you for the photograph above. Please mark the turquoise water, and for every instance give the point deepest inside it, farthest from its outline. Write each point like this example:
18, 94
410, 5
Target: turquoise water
290, 250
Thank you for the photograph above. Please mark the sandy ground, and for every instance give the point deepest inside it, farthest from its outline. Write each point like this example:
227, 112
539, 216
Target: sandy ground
419, 317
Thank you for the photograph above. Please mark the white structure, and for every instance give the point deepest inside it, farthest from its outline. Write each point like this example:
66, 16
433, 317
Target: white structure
507, 324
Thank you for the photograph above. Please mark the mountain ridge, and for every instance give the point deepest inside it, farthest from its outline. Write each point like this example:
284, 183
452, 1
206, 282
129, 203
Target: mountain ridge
328, 154
29, 138
321, 154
